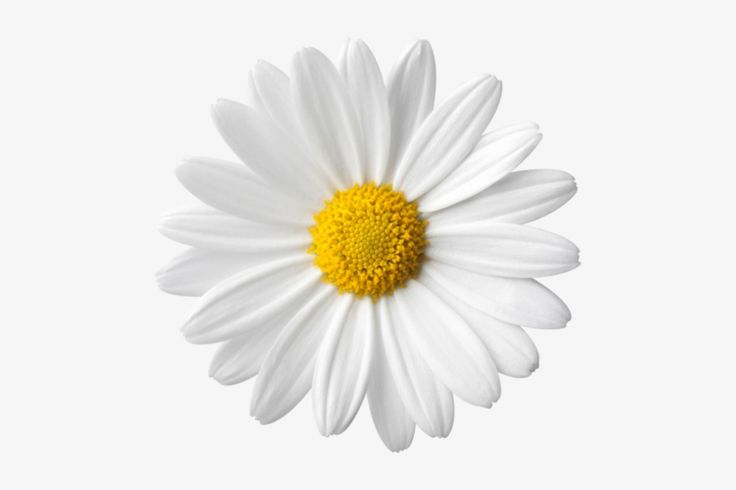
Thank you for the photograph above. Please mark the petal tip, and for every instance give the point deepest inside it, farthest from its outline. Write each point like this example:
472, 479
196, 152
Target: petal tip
160, 277
422, 44
398, 447
191, 333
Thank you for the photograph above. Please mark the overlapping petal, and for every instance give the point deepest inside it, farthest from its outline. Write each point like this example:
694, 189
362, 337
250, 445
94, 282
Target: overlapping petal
287, 371
429, 403
269, 293
497, 153
269, 91
342, 369
411, 91
449, 347
240, 358
362, 76
447, 136
523, 302
233, 189
520, 197
209, 228
513, 352
393, 422
271, 153
328, 117
501, 249
196, 270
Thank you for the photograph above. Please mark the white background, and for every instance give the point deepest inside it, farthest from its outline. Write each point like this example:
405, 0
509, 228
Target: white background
102, 391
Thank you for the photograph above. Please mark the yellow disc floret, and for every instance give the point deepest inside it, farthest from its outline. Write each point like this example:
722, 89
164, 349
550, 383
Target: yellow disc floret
368, 240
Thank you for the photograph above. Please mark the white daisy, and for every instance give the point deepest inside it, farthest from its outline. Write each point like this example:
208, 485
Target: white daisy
368, 244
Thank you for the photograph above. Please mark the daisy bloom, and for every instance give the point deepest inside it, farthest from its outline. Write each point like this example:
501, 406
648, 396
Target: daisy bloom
368, 244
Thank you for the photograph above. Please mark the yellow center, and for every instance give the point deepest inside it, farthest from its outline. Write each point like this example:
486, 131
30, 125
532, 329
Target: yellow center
368, 240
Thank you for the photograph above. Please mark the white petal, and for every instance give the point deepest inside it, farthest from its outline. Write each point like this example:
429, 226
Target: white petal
194, 271
501, 249
520, 197
511, 348
232, 188
286, 373
449, 347
447, 136
425, 398
269, 152
513, 352
342, 369
362, 76
212, 229
327, 116
522, 302
392, 421
268, 293
497, 153
411, 89
270, 92
240, 358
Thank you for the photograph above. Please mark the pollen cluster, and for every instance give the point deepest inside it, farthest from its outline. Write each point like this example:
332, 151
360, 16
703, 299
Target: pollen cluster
368, 240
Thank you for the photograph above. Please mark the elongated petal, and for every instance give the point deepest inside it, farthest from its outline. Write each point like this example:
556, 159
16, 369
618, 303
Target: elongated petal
522, 302
511, 348
513, 352
427, 400
212, 229
270, 153
449, 347
411, 90
286, 373
342, 369
498, 153
327, 116
269, 293
520, 197
362, 76
501, 249
240, 358
447, 136
233, 189
393, 423
270, 92
194, 271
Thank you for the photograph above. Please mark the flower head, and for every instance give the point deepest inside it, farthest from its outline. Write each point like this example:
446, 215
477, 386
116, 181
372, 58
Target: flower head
369, 244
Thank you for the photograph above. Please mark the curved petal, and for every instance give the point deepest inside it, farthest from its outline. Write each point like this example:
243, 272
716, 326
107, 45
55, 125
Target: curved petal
342, 368
194, 271
362, 76
522, 302
393, 423
501, 249
269, 293
212, 229
513, 352
233, 189
327, 117
447, 136
497, 153
270, 153
240, 358
411, 89
449, 347
520, 197
511, 348
287, 371
270, 92
427, 400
